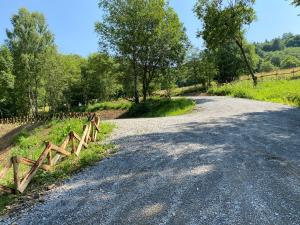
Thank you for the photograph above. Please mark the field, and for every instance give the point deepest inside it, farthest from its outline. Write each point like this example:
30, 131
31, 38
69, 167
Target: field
279, 91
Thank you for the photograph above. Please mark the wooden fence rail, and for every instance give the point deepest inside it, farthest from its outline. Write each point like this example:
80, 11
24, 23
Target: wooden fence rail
43, 117
291, 73
50, 156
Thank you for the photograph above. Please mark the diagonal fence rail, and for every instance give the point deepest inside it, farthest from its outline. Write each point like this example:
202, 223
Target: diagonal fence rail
51, 155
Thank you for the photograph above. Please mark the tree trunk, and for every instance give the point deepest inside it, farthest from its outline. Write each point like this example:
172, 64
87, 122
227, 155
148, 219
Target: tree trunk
254, 78
136, 94
135, 81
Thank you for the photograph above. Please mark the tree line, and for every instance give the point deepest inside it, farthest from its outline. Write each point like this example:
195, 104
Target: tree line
143, 48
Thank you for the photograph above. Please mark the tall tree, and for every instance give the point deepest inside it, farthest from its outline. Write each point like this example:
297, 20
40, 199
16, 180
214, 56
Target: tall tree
99, 77
7, 80
137, 30
224, 21
28, 40
296, 2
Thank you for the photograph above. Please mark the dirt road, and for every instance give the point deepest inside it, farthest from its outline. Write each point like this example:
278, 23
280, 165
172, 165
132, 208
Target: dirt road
231, 161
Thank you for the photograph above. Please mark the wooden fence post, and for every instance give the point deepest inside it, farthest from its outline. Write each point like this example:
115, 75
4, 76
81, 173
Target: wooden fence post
15, 162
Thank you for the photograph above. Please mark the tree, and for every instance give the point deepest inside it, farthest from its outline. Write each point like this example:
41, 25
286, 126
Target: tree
100, 78
225, 22
290, 62
266, 66
7, 80
200, 68
147, 34
296, 2
28, 40
230, 61
72, 65
54, 82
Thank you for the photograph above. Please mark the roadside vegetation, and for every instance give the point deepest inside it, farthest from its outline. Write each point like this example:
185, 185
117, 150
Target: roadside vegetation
157, 107
31, 144
279, 91
152, 107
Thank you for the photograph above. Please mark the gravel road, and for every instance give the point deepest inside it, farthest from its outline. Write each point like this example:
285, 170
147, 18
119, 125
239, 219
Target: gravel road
231, 161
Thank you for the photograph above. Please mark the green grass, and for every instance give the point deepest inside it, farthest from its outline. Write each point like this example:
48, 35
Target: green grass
113, 105
160, 107
31, 145
180, 91
279, 91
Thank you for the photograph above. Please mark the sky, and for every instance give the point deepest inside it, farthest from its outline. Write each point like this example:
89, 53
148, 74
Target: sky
72, 21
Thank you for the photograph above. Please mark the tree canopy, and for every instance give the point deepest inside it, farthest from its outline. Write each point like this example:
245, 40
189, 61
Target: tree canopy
224, 21
148, 34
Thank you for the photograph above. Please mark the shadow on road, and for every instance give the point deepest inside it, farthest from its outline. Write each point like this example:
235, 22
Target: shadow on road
241, 170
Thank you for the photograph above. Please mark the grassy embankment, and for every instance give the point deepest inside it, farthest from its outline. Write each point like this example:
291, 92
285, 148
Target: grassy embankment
279, 91
31, 144
153, 107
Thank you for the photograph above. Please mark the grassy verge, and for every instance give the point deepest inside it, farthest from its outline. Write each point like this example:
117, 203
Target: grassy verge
181, 91
31, 145
160, 107
280, 91
112, 105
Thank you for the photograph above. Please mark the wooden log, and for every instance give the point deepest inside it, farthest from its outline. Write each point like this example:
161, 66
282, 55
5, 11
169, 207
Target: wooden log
76, 136
49, 157
87, 137
55, 159
72, 139
65, 143
60, 150
7, 190
6, 168
82, 141
97, 125
28, 177
30, 162
15, 162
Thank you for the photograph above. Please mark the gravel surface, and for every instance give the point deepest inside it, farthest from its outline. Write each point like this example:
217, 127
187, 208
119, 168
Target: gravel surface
231, 161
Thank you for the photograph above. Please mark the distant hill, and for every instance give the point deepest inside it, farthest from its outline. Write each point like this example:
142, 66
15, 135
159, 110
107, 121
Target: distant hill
282, 52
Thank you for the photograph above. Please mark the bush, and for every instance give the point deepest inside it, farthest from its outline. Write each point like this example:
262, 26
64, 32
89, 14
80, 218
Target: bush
157, 107
267, 66
290, 62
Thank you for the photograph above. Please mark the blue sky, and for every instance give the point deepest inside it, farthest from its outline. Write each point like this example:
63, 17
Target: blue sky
72, 21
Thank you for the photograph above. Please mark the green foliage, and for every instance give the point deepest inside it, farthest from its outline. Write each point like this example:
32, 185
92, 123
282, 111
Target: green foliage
32, 145
223, 22
280, 91
290, 62
157, 107
267, 66
230, 62
121, 104
100, 78
199, 68
296, 2
28, 40
7, 80
147, 34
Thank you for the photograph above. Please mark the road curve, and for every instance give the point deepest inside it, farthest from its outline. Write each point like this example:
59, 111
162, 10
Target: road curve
231, 161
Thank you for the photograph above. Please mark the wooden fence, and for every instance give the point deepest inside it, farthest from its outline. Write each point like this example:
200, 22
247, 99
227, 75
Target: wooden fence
43, 117
51, 155
277, 75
